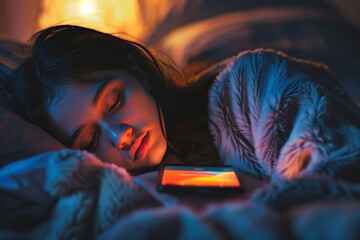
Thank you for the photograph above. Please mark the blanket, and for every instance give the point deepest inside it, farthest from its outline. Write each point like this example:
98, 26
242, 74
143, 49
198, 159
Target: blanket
278, 116
269, 114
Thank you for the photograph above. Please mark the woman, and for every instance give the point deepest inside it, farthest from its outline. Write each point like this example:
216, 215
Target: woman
269, 113
112, 97
272, 115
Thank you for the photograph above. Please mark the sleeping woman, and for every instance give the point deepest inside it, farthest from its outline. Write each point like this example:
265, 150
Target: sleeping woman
260, 111
109, 96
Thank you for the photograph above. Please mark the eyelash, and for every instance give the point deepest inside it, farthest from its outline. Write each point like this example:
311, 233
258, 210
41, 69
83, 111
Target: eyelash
93, 142
117, 102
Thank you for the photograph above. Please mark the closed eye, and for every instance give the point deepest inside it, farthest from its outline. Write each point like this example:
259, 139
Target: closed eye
91, 146
116, 102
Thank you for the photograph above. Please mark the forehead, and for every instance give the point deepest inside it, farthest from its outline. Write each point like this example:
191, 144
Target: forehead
71, 109
81, 92
75, 105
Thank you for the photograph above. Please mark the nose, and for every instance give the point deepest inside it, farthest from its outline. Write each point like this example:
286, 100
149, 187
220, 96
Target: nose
120, 135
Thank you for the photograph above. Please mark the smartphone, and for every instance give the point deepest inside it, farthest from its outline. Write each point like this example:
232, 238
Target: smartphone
199, 179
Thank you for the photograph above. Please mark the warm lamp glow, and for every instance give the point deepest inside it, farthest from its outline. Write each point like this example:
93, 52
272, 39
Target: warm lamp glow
112, 16
88, 7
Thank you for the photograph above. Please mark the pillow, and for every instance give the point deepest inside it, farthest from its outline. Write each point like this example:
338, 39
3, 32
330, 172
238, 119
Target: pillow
157, 18
304, 32
19, 138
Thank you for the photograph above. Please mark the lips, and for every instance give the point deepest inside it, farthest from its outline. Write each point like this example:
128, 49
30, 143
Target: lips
140, 146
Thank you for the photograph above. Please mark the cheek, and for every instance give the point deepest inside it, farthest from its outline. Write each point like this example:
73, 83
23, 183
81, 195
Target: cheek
141, 110
158, 151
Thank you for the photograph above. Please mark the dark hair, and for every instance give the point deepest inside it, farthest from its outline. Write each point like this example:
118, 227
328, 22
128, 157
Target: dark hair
64, 54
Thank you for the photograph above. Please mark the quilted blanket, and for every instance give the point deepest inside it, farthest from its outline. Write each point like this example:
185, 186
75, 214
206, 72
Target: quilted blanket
269, 114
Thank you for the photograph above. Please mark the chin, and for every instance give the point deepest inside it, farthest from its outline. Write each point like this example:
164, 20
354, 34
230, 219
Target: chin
157, 155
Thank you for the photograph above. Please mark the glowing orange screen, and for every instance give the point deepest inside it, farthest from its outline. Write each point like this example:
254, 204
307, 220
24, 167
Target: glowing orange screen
200, 178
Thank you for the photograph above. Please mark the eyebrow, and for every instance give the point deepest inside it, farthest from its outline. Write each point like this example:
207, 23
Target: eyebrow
98, 93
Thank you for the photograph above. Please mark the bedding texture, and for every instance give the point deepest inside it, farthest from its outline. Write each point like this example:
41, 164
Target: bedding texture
312, 157
276, 116
206, 32
192, 31
282, 116
19, 139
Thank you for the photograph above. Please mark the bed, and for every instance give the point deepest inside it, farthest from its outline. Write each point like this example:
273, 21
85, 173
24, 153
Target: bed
50, 192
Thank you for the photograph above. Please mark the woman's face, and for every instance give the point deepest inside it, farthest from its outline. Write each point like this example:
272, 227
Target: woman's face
115, 118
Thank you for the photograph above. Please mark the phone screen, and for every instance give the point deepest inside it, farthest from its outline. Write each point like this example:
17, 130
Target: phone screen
200, 176
181, 177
